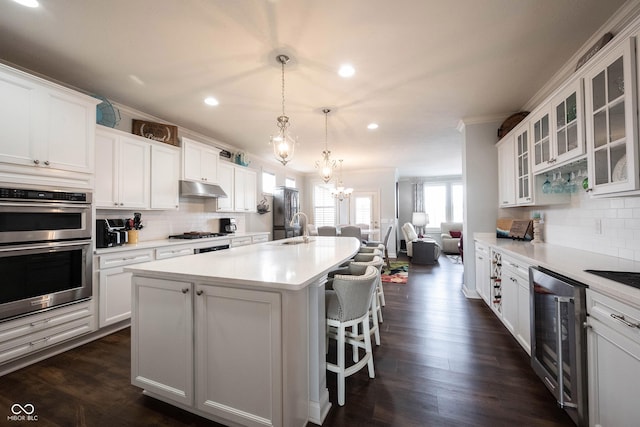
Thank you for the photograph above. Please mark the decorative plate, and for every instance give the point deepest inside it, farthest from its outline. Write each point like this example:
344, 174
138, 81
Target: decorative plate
620, 170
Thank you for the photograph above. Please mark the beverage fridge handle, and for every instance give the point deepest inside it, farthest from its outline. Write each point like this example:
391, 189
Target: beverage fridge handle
561, 401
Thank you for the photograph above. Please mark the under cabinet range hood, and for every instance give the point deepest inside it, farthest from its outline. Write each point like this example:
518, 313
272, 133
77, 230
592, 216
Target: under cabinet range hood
200, 189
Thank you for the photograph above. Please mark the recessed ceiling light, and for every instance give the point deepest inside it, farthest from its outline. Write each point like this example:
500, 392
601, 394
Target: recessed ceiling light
210, 100
372, 126
346, 70
28, 3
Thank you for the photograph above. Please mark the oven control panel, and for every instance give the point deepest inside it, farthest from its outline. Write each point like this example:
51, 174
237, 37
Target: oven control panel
47, 195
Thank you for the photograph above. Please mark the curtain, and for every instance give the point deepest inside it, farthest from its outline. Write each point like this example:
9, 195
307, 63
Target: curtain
418, 197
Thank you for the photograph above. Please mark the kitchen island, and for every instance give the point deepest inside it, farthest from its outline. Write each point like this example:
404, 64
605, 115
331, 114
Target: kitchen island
237, 336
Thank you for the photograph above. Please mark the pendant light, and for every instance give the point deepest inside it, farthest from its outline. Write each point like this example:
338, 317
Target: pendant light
283, 143
340, 192
326, 165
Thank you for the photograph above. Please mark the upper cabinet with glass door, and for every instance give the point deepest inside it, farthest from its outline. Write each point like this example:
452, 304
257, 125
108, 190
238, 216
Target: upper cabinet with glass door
524, 194
541, 139
611, 125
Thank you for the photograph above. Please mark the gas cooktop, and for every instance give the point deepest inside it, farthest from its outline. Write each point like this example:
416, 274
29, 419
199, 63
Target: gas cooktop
196, 235
629, 278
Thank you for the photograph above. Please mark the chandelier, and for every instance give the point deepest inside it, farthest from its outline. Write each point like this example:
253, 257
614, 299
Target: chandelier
340, 192
326, 165
283, 143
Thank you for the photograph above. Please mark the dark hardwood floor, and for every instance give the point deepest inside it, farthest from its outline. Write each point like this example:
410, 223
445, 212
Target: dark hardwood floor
444, 361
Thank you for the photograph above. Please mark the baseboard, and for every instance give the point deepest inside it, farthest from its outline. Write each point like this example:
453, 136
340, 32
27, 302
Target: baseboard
469, 293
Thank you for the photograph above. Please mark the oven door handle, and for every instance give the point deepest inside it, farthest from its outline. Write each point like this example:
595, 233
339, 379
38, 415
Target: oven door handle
561, 401
55, 205
45, 245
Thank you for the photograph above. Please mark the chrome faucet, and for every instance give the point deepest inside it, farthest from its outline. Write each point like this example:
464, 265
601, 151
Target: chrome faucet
305, 231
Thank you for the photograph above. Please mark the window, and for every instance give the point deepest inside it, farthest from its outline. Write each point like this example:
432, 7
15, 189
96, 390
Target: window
363, 210
456, 203
324, 206
443, 202
268, 182
290, 182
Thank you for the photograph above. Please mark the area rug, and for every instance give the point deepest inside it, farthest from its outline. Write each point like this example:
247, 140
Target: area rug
397, 275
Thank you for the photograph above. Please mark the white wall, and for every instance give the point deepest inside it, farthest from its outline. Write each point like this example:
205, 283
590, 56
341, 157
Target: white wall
480, 182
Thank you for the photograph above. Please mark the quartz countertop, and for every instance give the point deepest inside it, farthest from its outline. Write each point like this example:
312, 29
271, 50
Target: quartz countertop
571, 263
150, 244
272, 264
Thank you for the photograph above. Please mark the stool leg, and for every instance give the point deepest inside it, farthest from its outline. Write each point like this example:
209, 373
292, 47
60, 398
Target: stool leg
374, 318
354, 347
341, 364
367, 347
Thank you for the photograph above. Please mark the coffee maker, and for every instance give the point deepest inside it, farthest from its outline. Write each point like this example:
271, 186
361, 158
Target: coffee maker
110, 232
228, 225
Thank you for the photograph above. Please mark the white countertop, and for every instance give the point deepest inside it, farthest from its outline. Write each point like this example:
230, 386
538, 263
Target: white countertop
571, 263
265, 265
150, 244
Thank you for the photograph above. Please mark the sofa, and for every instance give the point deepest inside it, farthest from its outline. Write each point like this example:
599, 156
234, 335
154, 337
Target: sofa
410, 236
450, 235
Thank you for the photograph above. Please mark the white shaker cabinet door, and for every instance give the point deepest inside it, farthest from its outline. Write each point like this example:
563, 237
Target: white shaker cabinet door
16, 115
165, 176
226, 181
134, 165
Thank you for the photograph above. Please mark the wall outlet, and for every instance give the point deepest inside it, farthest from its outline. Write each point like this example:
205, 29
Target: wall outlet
598, 226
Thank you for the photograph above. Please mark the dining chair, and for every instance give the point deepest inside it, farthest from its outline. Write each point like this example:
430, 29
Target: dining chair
346, 307
351, 231
327, 230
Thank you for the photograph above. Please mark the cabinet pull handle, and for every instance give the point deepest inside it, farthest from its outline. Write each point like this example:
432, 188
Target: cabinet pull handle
45, 339
621, 319
199, 292
40, 322
185, 290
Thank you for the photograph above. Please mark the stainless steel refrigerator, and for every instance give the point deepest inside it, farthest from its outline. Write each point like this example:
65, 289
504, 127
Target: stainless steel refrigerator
285, 206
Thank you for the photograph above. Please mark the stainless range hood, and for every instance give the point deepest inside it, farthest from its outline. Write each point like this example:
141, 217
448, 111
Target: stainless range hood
200, 189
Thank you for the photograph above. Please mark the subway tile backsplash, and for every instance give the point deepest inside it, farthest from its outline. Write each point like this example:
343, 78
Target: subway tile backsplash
608, 226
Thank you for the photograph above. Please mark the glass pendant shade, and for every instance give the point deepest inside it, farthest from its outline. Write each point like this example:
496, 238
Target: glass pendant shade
340, 192
283, 143
326, 165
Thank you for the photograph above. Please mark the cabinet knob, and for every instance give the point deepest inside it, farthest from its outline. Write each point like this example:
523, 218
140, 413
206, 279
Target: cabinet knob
185, 290
115, 204
199, 292
46, 162
121, 204
37, 162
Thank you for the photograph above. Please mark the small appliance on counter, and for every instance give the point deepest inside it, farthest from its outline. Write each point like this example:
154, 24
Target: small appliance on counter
228, 225
110, 232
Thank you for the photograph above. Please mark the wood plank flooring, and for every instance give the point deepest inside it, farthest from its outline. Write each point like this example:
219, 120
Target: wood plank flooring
444, 361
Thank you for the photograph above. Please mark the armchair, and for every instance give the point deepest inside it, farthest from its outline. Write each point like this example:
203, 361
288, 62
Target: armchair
451, 232
411, 236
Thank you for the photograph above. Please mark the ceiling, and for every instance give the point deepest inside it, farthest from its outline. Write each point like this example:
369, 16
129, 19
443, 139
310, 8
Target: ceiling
421, 66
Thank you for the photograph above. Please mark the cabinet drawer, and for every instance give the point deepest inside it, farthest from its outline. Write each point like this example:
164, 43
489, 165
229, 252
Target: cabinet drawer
260, 239
515, 266
171, 252
125, 258
46, 337
241, 241
38, 322
620, 316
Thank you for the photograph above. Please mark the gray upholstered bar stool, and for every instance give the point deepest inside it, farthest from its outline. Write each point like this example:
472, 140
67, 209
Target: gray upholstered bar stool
347, 306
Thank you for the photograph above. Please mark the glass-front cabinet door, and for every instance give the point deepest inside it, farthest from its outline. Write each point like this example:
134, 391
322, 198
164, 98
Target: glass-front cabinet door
568, 123
541, 139
523, 171
611, 125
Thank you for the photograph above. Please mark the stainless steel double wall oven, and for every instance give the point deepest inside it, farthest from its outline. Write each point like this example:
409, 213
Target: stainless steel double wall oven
45, 249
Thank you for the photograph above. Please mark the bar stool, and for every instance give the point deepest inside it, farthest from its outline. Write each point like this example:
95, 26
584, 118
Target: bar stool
347, 305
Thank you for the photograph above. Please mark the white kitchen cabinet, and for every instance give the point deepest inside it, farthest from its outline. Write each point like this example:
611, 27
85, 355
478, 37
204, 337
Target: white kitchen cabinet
613, 344
122, 170
523, 176
25, 335
260, 238
515, 300
174, 251
507, 172
181, 350
483, 271
245, 190
240, 184
611, 121
226, 375
48, 130
114, 299
162, 339
165, 176
541, 139
199, 161
226, 182
567, 114
241, 241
